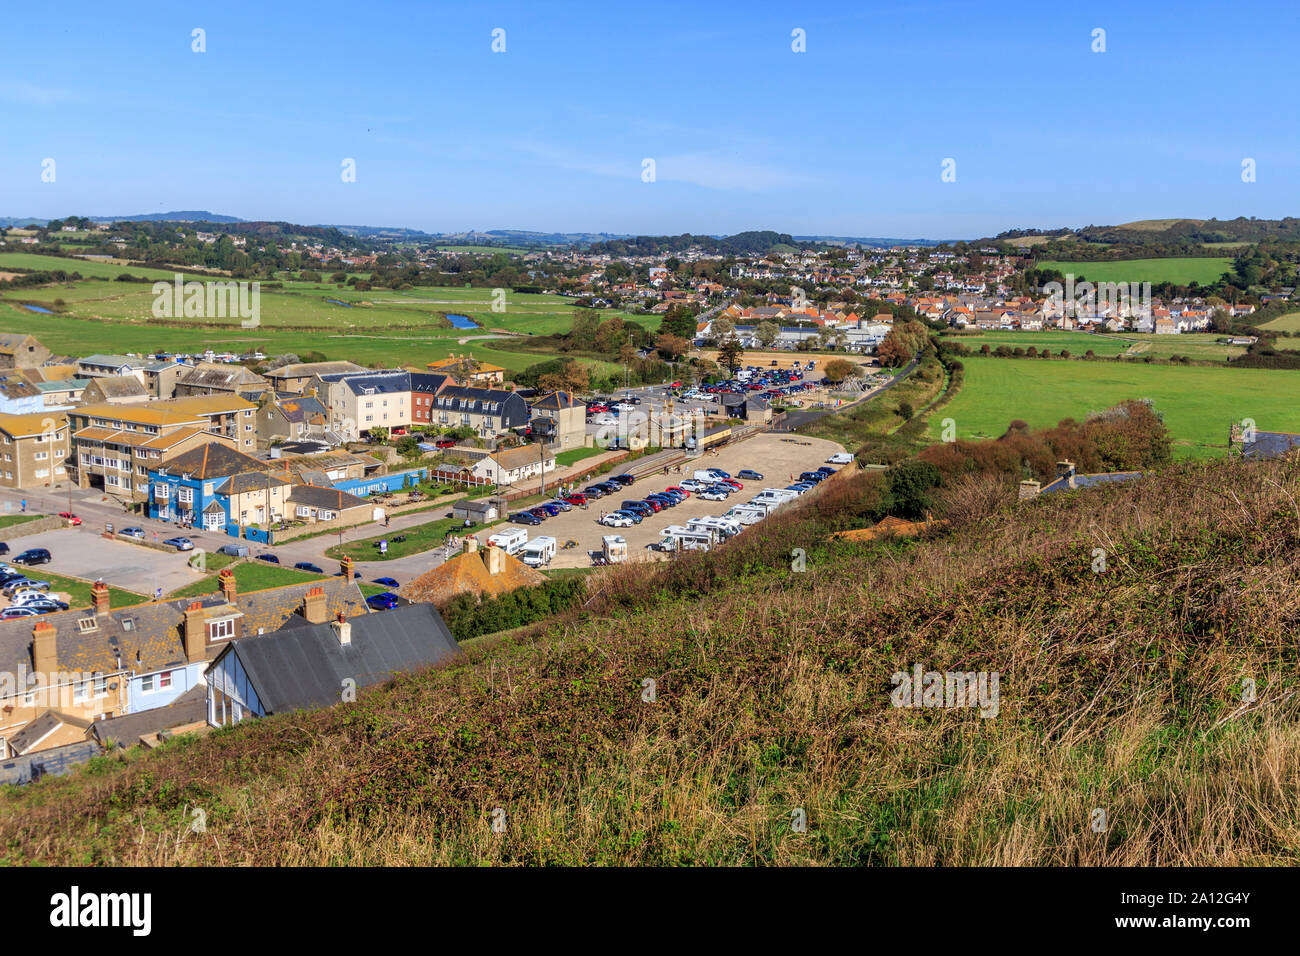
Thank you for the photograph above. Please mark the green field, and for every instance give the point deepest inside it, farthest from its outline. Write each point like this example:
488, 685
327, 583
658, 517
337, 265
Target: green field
1178, 271
566, 458
1198, 402
381, 326
1284, 323
1201, 346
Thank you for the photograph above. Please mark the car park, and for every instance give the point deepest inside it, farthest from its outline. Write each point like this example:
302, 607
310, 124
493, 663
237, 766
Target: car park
180, 544
268, 557
387, 582
382, 602
308, 566
33, 556
136, 533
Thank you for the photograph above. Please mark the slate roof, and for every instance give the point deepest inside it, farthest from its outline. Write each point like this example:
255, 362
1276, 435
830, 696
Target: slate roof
304, 408
190, 707
308, 369
305, 665
315, 496
215, 460
219, 375
556, 401
1089, 481
40, 728
1270, 444
120, 386
154, 629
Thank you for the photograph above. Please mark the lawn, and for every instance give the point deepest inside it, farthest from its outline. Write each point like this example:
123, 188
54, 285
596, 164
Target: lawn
78, 591
566, 458
419, 538
1198, 402
1179, 271
249, 576
8, 521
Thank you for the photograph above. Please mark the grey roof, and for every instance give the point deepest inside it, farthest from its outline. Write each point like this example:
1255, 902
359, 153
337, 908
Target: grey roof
318, 497
35, 731
305, 665
189, 708
1270, 444
1088, 481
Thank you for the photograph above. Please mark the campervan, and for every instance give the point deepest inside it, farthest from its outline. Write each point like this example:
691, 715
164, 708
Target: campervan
509, 539
539, 551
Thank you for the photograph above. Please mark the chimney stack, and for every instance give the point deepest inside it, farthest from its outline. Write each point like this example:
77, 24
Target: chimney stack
313, 606
346, 567
342, 629
496, 559
228, 589
471, 544
45, 656
1029, 489
99, 597
1065, 469
195, 633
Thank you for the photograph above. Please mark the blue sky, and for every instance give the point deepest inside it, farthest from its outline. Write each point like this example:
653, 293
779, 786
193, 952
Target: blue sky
845, 139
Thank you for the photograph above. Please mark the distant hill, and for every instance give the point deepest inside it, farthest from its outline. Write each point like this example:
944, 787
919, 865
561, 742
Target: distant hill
180, 216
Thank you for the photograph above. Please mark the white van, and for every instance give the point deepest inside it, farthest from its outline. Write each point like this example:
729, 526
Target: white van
726, 527
509, 539
539, 551
706, 476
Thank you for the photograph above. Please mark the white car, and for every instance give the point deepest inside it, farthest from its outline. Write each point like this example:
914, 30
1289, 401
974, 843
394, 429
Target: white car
617, 521
690, 484
712, 495
606, 420
840, 458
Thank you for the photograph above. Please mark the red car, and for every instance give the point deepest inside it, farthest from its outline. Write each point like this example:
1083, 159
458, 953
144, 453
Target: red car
655, 506
733, 482
577, 498
444, 443
70, 518
681, 491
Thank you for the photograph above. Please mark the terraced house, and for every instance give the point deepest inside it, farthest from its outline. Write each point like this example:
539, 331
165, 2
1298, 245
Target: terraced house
115, 446
33, 449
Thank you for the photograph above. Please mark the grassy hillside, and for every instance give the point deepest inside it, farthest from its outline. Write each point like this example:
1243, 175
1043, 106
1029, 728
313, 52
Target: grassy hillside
1119, 691
1178, 271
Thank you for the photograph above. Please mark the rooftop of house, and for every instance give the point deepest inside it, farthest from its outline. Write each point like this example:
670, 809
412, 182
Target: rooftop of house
120, 386
33, 423
469, 571
308, 369
220, 375
215, 460
305, 665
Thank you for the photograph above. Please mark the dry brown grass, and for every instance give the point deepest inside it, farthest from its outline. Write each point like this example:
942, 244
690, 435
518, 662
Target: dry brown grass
1119, 691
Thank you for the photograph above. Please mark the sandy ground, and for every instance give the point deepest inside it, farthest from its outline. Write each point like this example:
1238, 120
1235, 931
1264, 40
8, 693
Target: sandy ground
774, 456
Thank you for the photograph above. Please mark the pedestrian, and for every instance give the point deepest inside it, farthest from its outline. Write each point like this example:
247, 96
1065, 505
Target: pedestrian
24, 505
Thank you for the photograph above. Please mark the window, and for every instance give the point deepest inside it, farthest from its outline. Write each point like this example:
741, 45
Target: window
220, 630
162, 492
185, 495
164, 680
146, 684
41, 456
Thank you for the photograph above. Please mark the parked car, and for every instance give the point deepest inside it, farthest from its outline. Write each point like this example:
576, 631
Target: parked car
732, 482
9, 613
541, 514
749, 474
44, 607
24, 584
234, 550
691, 484
4, 548
180, 544
444, 443
69, 517
388, 582
606, 420
382, 602
33, 556
665, 501
269, 557
525, 517
356, 575
548, 509
308, 566
826, 470
681, 491
816, 477
639, 507
594, 491
713, 494
655, 505
577, 498
624, 479
840, 458
561, 503
137, 533
636, 516
616, 519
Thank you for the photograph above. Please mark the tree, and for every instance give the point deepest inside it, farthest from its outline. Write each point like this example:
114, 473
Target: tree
672, 347
837, 370
766, 333
729, 354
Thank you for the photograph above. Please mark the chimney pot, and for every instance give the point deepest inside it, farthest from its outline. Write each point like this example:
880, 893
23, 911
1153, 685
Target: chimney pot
342, 630
99, 597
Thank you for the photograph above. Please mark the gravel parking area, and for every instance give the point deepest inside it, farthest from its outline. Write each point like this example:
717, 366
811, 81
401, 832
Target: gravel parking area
84, 553
777, 458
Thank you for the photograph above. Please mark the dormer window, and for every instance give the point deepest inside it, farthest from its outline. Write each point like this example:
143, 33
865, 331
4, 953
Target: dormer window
87, 624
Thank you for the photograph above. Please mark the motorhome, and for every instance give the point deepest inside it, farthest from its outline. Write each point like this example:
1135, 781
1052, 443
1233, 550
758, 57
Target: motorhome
510, 539
747, 514
676, 538
726, 527
539, 551
614, 548
779, 495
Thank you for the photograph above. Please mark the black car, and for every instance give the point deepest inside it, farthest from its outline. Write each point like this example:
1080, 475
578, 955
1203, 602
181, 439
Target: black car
814, 476
665, 499
826, 470
33, 556
308, 566
623, 480
523, 517
4, 548
268, 557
